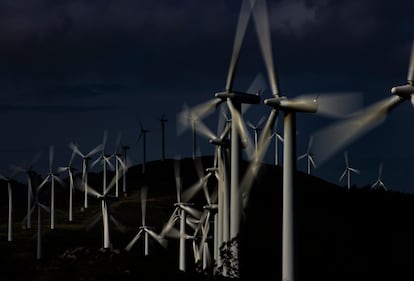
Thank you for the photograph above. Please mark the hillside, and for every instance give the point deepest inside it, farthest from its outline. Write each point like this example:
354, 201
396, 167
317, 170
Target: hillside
342, 234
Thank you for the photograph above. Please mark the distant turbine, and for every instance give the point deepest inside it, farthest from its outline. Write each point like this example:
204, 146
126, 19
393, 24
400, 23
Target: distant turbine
125, 160
10, 214
52, 177
309, 157
179, 214
145, 229
379, 184
28, 170
163, 120
105, 212
104, 159
348, 170
143, 135
256, 129
70, 169
39, 206
85, 167
278, 137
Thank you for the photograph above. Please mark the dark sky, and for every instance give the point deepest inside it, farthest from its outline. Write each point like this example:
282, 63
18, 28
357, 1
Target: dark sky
71, 69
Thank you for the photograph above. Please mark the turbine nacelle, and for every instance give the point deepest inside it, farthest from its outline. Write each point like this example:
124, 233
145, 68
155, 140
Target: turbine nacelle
298, 105
239, 97
404, 92
218, 141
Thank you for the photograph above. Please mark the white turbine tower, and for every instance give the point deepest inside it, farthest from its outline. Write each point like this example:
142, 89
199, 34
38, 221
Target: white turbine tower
85, 167
126, 162
144, 229
337, 136
8, 180
70, 170
379, 184
309, 157
348, 170
51, 177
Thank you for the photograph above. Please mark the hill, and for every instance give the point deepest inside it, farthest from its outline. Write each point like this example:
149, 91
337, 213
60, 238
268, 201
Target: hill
342, 234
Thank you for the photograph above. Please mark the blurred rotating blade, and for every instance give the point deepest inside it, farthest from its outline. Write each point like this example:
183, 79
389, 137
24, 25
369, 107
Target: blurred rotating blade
244, 17
333, 138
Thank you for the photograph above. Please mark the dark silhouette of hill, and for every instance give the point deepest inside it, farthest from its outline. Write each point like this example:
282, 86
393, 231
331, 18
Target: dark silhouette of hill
341, 234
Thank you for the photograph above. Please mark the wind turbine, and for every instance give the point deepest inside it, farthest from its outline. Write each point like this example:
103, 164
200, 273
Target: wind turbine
256, 129
8, 180
28, 170
85, 167
234, 100
378, 184
125, 160
104, 159
145, 230
328, 105
105, 198
331, 139
309, 157
180, 214
39, 206
163, 120
143, 134
70, 169
278, 138
348, 170
52, 177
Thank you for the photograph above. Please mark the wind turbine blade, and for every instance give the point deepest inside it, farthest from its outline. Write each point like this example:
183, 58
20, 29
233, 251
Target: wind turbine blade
189, 193
343, 175
118, 225
75, 149
410, 75
241, 127
99, 159
199, 167
44, 207
238, 40
335, 105
346, 159
333, 138
94, 221
95, 150
162, 241
302, 156
380, 170
114, 180
81, 186
203, 130
43, 182
133, 241
170, 223
195, 213
312, 162
263, 32
354, 170
62, 169
58, 180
